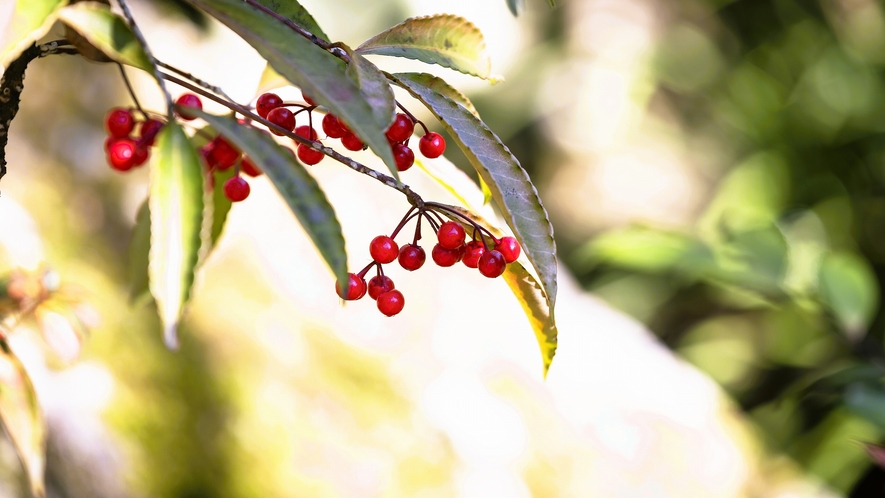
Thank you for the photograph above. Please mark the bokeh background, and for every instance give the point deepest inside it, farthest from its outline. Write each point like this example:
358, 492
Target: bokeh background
715, 173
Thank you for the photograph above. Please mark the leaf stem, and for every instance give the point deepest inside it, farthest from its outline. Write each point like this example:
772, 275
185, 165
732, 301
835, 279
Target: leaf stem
141, 41
131, 90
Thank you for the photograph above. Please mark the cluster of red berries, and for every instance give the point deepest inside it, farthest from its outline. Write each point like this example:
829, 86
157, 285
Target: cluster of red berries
125, 150
490, 259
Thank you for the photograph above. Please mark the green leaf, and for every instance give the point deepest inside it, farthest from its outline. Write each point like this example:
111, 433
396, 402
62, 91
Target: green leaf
486, 191
646, 249
300, 191
318, 73
107, 32
849, 288
516, 6
511, 187
448, 40
868, 401
31, 19
534, 303
441, 87
176, 208
22, 418
374, 87
292, 10
220, 205
139, 249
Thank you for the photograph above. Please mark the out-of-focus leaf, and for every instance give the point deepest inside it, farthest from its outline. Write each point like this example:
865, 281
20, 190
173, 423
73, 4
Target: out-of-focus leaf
318, 73
220, 205
300, 191
176, 210
535, 305
139, 248
292, 10
31, 19
646, 249
511, 187
849, 288
374, 87
448, 40
107, 32
755, 258
868, 401
516, 6
22, 417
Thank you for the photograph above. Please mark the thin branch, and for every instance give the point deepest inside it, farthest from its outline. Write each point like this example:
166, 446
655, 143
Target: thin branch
141, 41
131, 90
198, 81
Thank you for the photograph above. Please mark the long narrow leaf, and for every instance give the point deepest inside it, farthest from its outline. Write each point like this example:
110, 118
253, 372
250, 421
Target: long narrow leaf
374, 87
107, 32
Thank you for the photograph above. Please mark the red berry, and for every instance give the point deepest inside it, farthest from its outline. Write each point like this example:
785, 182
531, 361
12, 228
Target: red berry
266, 103
450, 235
391, 302
149, 131
307, 132
432, 145
378, 285
356, 288
509, 248
446, 257
248, 167
236, 189
352, 142
108, 142
119, 122
383, 249
307, 99
121, 154
222, 155
141, 155
188, 100
403, 156
283, 118
411, 257
473, 251
309, 156
492, 264
333, 127
401, 129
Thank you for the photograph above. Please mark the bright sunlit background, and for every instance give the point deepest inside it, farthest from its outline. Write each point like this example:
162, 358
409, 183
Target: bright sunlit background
712, 168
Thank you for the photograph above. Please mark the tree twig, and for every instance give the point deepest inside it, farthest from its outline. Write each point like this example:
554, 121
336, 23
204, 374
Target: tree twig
141, 41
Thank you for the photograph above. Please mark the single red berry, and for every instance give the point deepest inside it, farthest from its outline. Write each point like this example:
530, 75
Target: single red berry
333, 127
383, 249
356, 288
248, 167
352, 142
473, 250
309, 156
236, 189
492, 264
509, 248
432, 145
283, 118
401, 129
307, 132
379, 284
121, 154
446, 257
108, 142
119, 122
266, 103
222, 154
411, 257
391, 302
403, 156
149, 131
188, 100
450, 235
307, 99
141, 155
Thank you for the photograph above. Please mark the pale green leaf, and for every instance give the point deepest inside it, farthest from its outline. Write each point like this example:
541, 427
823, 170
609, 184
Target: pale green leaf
374, 87
300, 191
486, 191
31, 19
293, 11
318, 73
221, 205
448, 40
849, 287
22, 418
139, 248
107, 32
511, 187
176, 208
534, 303
646, 249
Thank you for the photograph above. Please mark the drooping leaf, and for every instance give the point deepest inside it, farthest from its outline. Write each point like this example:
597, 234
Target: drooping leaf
293, 11
534, 303
139, 249
448, 40
300, 191
374, 87
31, 19
868, 401
317, 72
447, 183
511, 187
176, 210
849, 288
220, 205
440, 86
516, 6
107, 32
22, 418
